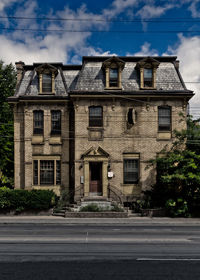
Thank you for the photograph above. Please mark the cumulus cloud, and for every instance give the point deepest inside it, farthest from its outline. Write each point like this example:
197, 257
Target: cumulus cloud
146, 50
6, 3
67, 47
150, 11
188, 52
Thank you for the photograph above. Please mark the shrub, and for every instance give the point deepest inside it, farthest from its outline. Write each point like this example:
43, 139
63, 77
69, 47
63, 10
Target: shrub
20, 200
177, 208
91, 208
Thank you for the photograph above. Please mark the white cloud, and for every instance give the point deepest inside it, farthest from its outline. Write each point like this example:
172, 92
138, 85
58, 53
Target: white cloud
150, 11
188, 52
146, 51
61, 46
119, 6
6, 3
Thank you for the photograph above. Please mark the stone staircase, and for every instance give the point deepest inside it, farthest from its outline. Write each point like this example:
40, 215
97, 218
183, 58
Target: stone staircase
101, 202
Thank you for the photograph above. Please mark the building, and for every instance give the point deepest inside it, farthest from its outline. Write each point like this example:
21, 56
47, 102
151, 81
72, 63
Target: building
92, 128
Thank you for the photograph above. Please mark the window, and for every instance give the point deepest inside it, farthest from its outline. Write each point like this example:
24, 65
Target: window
147, 69
38, 122
131, 171
148, 77
113, 68
45, 175
47, 82
46, 74
95, 116
164, 118
113, 77
56, 122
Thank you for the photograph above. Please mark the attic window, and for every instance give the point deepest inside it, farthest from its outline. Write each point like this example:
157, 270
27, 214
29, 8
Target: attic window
113, 77
147, 68
113, 72
148, 77
46, 74
47, 82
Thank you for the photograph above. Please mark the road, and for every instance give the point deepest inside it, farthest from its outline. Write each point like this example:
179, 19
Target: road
95, 251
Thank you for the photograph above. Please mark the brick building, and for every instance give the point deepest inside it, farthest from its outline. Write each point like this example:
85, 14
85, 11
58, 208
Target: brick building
92, 128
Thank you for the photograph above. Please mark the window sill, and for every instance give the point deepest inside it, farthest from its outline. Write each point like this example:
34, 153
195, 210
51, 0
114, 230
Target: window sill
113, 88
55, 140
95, 133
148, 88
37, 139
46, 93
164, 135
95, 128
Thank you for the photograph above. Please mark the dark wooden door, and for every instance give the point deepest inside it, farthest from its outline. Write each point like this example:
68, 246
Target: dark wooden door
96, 178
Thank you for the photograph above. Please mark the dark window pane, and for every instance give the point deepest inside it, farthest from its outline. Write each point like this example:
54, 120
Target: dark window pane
46, 82
56, 122
148, 77
130, 171
38, 122
47, 172
35, 172
58, 172
113, 82
164, 118
95, 116
130, 116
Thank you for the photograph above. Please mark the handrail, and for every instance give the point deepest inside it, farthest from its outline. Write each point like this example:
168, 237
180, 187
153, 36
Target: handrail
110, 187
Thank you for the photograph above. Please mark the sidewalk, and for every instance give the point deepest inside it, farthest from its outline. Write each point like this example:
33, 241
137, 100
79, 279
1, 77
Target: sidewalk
98, 221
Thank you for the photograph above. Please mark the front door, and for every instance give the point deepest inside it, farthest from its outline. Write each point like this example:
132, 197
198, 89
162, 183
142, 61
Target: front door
95, 178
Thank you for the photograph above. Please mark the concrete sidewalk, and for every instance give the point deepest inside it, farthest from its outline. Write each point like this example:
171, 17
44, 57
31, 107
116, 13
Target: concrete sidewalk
97, 221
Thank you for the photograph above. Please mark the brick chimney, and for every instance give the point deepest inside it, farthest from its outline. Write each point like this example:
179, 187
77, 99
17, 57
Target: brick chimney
20, 69
177, 64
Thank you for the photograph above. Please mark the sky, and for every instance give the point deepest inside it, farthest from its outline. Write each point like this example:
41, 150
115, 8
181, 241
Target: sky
64, 31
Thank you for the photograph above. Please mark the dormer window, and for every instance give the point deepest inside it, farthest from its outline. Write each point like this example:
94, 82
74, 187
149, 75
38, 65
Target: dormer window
147, 68
113, 77
113, 72
46, 75
47, 82
148, 77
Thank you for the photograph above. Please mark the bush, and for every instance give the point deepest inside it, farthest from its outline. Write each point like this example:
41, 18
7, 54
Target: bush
20, 200
177, 208
91, 208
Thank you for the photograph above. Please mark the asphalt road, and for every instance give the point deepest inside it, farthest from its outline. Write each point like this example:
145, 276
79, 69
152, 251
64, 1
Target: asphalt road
60, 251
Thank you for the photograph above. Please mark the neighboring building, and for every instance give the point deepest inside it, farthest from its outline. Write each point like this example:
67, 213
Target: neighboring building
92, 128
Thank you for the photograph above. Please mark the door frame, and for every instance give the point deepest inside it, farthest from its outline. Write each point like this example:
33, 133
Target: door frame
86, 162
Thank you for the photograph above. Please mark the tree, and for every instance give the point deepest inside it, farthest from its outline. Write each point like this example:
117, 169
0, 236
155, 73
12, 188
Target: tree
7, 88
178, 173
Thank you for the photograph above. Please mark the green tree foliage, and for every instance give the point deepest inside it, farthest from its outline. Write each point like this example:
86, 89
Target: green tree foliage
178, 173
7, 87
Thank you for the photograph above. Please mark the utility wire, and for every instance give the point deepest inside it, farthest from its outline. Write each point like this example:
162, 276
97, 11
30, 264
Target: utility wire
101, 31
154, 20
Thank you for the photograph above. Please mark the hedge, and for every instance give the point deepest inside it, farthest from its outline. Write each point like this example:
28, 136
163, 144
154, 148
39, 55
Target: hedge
20, 200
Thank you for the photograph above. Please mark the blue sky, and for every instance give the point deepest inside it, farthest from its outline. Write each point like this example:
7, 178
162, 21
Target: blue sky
118, 27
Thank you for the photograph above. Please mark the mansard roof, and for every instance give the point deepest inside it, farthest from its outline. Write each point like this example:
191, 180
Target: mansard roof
89, 77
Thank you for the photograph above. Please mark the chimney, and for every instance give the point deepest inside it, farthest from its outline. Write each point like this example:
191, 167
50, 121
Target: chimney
177, 64
20, 69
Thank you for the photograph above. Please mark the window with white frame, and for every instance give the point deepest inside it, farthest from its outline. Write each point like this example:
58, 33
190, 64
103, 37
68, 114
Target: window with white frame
46, 172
